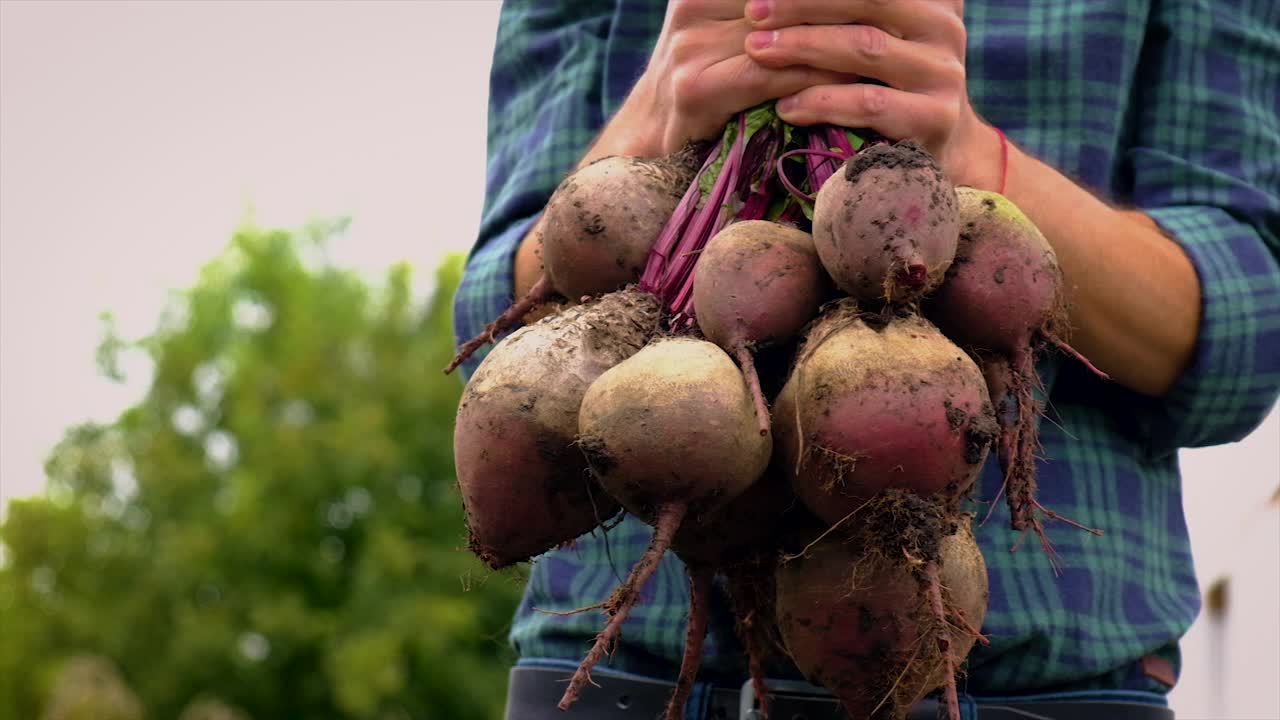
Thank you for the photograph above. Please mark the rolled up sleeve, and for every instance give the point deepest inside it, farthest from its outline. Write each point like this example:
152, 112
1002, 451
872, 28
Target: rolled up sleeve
1206, 168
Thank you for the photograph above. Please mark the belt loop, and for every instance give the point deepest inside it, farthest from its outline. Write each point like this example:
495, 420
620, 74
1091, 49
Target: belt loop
968, 707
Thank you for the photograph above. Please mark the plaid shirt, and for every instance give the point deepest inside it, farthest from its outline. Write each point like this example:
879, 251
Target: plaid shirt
1171, 106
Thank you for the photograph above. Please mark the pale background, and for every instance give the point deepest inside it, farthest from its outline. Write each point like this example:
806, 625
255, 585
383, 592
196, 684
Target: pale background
134, 135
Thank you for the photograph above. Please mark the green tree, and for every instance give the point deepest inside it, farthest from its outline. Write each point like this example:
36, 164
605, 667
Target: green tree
275, 524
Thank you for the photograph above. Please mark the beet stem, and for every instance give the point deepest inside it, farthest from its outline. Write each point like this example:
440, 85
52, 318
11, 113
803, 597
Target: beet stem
540, 292
675, 227
837, 138
820, 169
676, 285
699, 602
748, 365
624, 598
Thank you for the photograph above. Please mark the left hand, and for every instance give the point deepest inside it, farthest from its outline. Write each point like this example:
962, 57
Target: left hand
915, 47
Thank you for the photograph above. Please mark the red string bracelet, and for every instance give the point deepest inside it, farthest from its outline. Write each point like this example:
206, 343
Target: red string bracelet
1004, 158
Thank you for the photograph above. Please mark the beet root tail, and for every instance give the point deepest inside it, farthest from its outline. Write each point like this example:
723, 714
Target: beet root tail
1020, 478
934, 581
748, 365
699, 604
1064, 347
540, 292
619, 605
749, 607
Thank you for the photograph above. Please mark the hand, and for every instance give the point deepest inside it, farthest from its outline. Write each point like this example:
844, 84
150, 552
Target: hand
699, 75
915, 47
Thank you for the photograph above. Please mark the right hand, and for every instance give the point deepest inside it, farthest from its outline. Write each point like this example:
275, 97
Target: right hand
699, 76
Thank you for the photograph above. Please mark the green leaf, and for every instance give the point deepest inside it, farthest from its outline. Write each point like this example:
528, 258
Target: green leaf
756, 118
806, 207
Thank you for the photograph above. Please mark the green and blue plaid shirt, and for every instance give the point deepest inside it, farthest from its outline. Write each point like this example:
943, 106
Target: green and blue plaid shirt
1171, 106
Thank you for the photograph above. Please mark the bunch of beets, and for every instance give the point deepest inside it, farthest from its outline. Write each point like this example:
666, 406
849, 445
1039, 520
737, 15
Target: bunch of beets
895, 320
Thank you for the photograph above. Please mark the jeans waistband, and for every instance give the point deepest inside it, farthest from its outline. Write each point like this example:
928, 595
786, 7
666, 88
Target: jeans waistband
705, 694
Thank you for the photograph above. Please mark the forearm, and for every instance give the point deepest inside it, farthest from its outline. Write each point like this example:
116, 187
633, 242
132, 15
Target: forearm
1134, 295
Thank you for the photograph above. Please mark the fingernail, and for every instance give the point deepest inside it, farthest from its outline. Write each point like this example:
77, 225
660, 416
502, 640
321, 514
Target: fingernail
787, 104
762, 39
759, 9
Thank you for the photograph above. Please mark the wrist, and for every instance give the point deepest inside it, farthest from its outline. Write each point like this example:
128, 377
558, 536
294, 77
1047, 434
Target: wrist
981, 158
633, 131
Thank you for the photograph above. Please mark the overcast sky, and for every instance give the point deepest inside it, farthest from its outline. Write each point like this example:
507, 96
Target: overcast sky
134, 135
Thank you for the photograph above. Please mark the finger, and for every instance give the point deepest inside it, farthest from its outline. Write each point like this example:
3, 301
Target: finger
896, 114
858, 50
926, 20
684, 12
709, 42
740, 83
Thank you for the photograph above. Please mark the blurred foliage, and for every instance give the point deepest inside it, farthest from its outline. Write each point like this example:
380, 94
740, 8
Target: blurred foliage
273, 531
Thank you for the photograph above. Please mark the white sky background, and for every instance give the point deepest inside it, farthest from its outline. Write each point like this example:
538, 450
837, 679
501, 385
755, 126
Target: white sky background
134, 135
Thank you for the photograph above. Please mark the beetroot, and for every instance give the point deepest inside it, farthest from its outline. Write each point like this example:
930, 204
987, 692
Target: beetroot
668, 432
877, 402
525, 488
886, 613
1003, 297
597, 230
886, 225
738, 539
756, 284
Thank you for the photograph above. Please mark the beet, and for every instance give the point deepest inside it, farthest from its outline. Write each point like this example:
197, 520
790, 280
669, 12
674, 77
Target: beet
876, 402
884, 614
1003, 297
525, 487
886, 225
670, 433
597, 230
757, 284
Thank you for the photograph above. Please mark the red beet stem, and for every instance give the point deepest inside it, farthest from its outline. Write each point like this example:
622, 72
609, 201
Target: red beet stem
748, 365
836, 146
706, 223
540, 292
838, 139
699, 602
664, 246
625, 597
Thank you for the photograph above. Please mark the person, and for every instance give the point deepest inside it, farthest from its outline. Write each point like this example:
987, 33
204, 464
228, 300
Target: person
1142, 137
